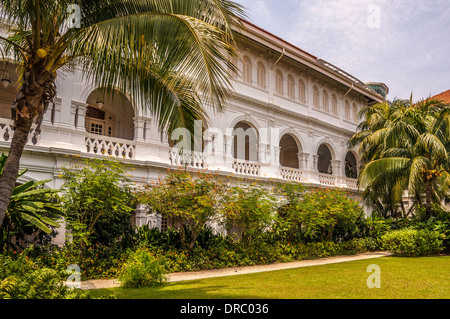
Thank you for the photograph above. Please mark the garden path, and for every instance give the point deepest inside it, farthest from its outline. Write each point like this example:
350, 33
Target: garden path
192, 275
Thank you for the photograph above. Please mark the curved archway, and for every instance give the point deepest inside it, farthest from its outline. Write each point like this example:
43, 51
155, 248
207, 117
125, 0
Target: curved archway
245, 142
289, 152
325, 157
351, 165
8, 88
110, 115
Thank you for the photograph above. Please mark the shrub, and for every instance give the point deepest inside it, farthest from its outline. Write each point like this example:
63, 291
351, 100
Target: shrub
21, 278
98, 201
188, 201
142, 269
322, 214
95, 262
248, 211
412, 242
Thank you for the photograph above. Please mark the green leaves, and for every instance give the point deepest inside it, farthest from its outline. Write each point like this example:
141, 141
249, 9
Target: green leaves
98, 200
404, 146
30, 203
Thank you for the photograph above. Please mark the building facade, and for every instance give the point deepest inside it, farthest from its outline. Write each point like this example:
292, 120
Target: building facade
296, 111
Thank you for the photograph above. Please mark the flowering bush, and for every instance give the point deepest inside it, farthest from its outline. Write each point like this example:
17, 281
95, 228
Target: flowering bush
188, 201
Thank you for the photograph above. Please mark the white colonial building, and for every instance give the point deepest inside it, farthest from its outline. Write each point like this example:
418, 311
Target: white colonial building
298, 112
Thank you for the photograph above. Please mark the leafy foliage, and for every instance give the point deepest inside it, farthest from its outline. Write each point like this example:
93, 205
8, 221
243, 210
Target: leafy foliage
404, 146
21, 278
98, 199
188, 201
142, 269
32, 209
410, 242
248, 211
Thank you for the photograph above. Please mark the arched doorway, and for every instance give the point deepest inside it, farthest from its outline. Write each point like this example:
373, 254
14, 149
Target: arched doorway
245, 142
110, 115
289, 152
324, 162
351, 166
8, 89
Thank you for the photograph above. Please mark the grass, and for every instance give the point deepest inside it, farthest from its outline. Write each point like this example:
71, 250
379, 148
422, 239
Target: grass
405, 278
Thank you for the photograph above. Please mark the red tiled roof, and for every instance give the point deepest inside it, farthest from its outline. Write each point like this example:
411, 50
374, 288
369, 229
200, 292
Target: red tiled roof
444, 97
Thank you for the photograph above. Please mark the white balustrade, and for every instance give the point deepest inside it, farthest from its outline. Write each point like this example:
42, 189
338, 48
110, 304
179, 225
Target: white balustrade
104, 145
246, 168
351, 183
186, 158
326, 179
7, 132
292, 174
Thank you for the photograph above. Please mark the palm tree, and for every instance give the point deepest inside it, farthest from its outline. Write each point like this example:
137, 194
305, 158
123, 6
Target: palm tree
405, 146
168, 54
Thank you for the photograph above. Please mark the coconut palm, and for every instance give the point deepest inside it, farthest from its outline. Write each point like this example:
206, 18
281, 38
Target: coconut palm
169, 55
405, 146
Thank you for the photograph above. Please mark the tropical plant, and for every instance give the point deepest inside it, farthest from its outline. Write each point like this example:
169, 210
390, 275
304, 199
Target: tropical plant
169, 55
98, 199
248, 210
404, 146
188, 201
410, 242
142, 269
32, 209
22, 278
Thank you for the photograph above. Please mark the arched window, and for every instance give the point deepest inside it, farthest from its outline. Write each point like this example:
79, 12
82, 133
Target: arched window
355, 113
234, 71
247, 70
289, 152
291, 87
279, 82
334, 104
245, 142
301, 91
347, 110
316, 102
324, 162
351, 169
261, 75
326, 106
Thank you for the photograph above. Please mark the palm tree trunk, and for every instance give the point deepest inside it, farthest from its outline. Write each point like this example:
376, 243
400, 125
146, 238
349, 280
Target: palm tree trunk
11, 168
33, 97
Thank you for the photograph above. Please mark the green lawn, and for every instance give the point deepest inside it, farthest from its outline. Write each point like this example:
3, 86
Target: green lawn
426, 277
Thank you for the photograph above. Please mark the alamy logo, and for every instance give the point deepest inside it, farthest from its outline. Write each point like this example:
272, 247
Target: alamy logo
74, 18
374, 18
374, 280
74, 278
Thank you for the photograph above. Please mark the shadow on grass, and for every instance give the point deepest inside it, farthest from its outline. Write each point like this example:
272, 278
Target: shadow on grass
191, 289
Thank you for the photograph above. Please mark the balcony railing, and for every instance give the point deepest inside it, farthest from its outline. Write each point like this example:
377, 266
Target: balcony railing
291, 174
7, 132
351, 183
186, 159
104, 145
326, 179
246, 168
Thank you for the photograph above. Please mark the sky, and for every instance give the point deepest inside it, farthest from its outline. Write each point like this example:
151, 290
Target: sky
404, 44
